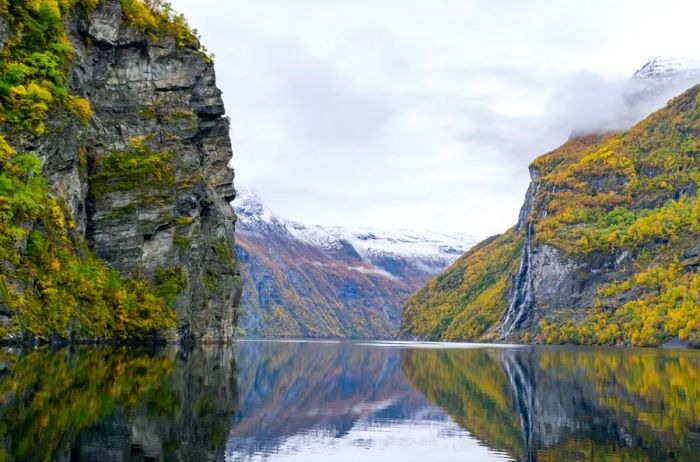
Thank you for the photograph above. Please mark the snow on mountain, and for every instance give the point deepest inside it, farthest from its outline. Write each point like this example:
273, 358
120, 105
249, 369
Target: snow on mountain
664, 68
433, 250
657, 81
329, 281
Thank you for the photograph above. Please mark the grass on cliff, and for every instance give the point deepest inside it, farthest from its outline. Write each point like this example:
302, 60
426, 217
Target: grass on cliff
50, 284
157, 18
633, 195
469, 297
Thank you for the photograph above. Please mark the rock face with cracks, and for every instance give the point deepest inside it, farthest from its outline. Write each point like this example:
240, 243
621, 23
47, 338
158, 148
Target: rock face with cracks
146, 181
604, 251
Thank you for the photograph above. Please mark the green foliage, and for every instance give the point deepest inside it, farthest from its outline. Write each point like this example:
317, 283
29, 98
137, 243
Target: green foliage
181, 240
649, 208
69, 294
157, 18
49, 281
469, 297
132, 168
624, 191
34, 63
184, 221
633, 195
666, 305
169, 283
224, 251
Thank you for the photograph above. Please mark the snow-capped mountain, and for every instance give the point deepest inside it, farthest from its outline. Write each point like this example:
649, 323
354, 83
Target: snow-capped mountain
620, 104
309, 280
668, 68
432, 251
657, 81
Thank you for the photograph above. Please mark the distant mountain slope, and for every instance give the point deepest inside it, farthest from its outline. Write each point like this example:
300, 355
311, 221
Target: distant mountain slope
657, 81
316, 281
606, 249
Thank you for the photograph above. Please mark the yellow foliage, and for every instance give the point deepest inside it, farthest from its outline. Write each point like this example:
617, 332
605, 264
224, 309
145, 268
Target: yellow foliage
81, 108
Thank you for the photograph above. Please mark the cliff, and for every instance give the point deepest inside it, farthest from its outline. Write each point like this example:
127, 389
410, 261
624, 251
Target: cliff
129, 234
605, 250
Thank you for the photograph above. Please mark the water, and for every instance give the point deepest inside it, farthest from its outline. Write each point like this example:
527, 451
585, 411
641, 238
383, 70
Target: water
328, 401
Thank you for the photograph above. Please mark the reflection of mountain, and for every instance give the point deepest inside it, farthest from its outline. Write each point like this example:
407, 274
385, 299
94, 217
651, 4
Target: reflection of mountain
289, 389
551, 405
113, 404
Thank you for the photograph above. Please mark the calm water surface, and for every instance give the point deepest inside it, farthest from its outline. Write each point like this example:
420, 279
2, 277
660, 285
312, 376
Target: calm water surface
326, 401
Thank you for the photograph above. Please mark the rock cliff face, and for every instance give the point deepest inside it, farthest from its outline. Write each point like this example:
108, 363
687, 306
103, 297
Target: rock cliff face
146, 182
603, 251
168, 94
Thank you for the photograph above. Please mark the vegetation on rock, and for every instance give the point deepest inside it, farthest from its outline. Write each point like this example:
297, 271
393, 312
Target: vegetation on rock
632, 196
51, 286
467, 299
157, 18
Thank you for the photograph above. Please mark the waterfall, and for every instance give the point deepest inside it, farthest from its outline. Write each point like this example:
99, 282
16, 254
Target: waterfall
520, 306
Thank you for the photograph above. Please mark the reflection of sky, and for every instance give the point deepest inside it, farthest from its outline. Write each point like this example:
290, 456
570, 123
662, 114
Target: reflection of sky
389, 440
357, 407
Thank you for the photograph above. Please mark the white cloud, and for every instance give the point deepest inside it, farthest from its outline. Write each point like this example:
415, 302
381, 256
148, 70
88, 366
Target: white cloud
416, 113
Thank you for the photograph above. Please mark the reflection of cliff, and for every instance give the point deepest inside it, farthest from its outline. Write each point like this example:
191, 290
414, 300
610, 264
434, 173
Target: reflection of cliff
290, 389
105, 404
470, 386
551, 405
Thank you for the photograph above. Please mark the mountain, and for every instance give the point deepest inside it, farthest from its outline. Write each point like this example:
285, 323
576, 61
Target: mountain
660, 79
606, 249
316, 281
115, 220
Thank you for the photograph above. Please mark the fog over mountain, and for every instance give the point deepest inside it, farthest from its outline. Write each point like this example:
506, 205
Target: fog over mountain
400, 114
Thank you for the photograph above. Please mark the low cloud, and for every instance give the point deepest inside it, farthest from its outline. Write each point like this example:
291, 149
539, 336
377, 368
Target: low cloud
424, 114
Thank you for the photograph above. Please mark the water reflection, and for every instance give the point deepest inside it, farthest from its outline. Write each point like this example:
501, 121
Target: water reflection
114, 404
311, 401
552, 404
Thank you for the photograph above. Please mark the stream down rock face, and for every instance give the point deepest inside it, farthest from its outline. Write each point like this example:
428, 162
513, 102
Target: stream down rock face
155, 101
603, 252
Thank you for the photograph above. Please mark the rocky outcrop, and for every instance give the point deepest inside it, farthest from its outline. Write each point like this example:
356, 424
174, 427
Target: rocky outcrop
608, 231
154, 101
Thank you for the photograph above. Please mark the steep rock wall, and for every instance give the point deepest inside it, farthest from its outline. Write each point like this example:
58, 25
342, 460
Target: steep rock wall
147, 180
609, 231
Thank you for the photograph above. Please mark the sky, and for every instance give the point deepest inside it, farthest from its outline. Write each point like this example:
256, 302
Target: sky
421, 113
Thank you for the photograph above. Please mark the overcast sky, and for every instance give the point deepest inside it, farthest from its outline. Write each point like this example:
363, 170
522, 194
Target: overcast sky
420, 113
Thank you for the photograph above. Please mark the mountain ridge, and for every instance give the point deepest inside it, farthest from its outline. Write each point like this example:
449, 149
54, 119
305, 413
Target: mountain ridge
345, 276
604, 250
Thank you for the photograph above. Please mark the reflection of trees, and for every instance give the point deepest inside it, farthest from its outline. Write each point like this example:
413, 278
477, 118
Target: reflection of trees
470, 385
554, 404
115, 404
